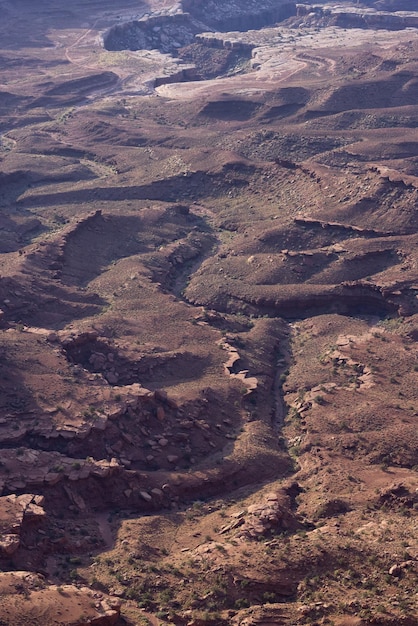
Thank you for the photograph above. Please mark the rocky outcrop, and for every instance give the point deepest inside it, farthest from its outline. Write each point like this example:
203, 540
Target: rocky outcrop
397, 496
219, 41
271, 516
250, 382
15, 512
182, 76
345, 229
25, 468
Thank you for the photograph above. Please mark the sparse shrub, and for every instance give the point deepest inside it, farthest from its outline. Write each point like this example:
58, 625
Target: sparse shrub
242, 603
268, 596
294, 451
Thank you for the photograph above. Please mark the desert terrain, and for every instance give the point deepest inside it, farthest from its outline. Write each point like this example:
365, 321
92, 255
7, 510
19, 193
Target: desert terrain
208, 313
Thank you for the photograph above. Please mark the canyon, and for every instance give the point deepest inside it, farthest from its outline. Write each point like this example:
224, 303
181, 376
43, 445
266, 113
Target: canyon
209, 313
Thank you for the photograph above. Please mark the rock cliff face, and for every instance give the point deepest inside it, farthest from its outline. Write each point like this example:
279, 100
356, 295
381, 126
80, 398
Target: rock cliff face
382, 18
168, 33
375, 21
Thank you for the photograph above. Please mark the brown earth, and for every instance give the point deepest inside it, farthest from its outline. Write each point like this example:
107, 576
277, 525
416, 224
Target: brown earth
209, 316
